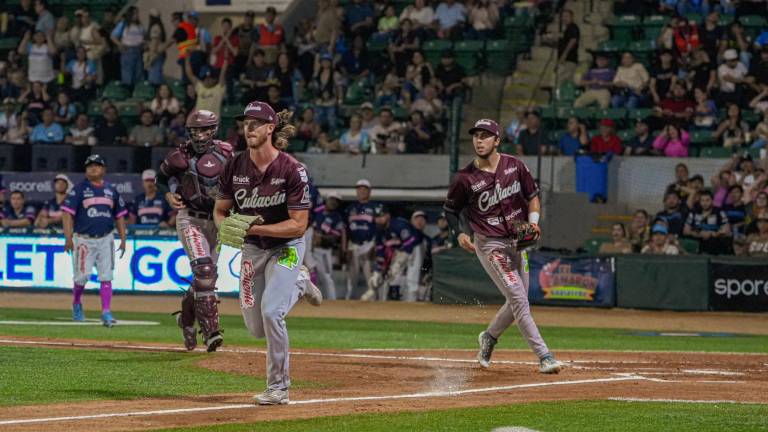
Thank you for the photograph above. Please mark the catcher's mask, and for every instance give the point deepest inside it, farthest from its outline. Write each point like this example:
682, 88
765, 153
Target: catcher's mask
202, 126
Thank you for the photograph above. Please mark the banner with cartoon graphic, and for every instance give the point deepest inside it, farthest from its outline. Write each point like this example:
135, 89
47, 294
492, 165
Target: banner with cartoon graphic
585, 281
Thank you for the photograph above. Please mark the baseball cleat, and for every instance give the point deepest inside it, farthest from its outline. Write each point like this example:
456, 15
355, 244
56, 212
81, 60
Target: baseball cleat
77, 312
548, 365
188, 333
312, 293
213, 342
487, 342
272, 397
369, 295
107, 320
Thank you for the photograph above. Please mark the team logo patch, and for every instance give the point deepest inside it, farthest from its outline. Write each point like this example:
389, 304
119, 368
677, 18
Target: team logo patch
241, 179
509, 171
303, 175
277, 181
289, 257
246, 284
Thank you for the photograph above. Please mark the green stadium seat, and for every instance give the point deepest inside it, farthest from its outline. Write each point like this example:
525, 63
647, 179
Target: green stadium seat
564, 113
144, 91
623, 27
755, 153
567, 92
715, 153
433, 50
753, 21
611, 46
554, 136
751, 117
9, 43
507, 148
297, 145
616, 114
231, 111
585, 114
626, 134
592, 245
702, 137
639, 113
400, 112
500, 56
356, 93
652, 26
179, 90
114, 91
468, 55
689, 245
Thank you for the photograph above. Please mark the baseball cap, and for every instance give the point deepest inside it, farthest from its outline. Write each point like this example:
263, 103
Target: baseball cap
607, 122
659, 229
95, 159
762, 216
334, 195
62, 176
418, 213
363, 183
487, 125
731, 54
148, 174
193, 14
154, 13
366, 105
260, 111
380, 210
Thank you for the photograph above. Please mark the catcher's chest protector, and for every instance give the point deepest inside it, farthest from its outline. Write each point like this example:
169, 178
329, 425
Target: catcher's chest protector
200, 184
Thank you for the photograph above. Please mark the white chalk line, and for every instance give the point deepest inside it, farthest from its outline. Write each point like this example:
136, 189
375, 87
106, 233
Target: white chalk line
570, 364
323, 401
88, 322
703, 401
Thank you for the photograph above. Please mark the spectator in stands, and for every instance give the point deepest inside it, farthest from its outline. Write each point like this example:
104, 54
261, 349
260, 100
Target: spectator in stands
224, 50
732, 132
735, 210
596, 82
732, 78
677, 109
368, 117
758, 242
82, 72
45, 21
18, 214
177, 131
405, 42
660, 243
711, 34
211, 90
619, 243
270, 35
355, 62
672, 142
629, 83
22, 18
50, 213
358, 18
642, 143
735, 39
702, 73
308, 128
201, 52
62, 39
760, 102
387, 136
418, 74
328, 24
674, 214
420, 15
149, 208
81, 133
575, 138
355, 140
111, 131
451, 78
639, 231
516, 125
744, 170
274, 100
147, 133
289, 80
755, 208
695, 186
48, 131
327, 84
686, 37
387, 26
533, 139
19, 132
87, 35
760, 137
128, 36
680, 186
704, 112
567, 47
7, 87
8, 118
709, 225
443, 239
164, 105
418, 137
663, 77
35, 99
607, 141
154, 57
64, 110
482, 18
236, 136
450, 17
757, 78
40, 52
429, 104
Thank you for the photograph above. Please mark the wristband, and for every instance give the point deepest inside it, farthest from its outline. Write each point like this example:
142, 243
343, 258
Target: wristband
533, 217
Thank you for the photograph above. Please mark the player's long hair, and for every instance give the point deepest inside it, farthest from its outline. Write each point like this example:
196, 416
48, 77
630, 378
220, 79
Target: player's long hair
284, 130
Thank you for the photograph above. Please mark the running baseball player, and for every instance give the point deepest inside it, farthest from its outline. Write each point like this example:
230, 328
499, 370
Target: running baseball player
329, 235
263, 209
92, 209
361, 238
496, 197
400, 237
196, 166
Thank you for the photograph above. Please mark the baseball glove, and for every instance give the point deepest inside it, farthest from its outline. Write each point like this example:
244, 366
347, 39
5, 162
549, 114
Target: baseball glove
234, 229
525, 234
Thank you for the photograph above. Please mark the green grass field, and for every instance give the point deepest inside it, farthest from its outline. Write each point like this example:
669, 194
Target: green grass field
73, 375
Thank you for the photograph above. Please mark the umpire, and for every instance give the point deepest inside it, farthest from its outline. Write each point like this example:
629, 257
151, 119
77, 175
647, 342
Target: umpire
90, 212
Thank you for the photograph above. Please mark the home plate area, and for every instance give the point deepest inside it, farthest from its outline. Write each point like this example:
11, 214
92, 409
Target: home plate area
371, 381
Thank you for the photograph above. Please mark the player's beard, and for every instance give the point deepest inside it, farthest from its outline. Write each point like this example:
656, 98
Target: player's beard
486, 155
255, 142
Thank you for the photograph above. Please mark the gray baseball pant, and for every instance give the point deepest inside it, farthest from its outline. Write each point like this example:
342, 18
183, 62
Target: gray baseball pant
360, 257
270, 285
324, 261
508, 269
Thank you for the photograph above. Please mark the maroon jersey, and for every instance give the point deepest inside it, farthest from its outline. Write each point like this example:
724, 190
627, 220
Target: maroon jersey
284, 186
493, 200
197, 174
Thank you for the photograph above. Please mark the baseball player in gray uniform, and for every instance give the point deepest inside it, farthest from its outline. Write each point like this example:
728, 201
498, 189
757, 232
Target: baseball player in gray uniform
263, 209
496, 198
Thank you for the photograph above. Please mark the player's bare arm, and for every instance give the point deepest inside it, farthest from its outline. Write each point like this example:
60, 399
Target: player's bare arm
292, 227
534, 212
68, 225
221, 210
120, 225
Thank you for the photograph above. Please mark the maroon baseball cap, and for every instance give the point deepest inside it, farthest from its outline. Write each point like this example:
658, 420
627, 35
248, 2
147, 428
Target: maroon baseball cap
487, 125
260, 111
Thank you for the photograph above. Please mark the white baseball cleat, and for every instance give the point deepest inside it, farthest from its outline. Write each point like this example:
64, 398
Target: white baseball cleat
272, 397
487, 342
312, 293
548, 365
369, 295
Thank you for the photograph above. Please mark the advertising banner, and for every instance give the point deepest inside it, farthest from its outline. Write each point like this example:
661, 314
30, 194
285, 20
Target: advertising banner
157, 265
555, 280
738, 286
38, 186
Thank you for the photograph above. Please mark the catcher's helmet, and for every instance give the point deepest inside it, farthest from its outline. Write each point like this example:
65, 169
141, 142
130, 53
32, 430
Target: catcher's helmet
202, 126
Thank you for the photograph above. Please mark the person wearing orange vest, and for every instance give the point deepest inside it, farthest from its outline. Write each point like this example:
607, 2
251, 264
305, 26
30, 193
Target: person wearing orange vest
271, 35
185, 39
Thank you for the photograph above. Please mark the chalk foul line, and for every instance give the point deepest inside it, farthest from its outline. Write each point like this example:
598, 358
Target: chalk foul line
703, 401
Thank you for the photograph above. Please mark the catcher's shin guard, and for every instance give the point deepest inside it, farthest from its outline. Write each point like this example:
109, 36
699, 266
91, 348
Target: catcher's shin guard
207, 312
185, 318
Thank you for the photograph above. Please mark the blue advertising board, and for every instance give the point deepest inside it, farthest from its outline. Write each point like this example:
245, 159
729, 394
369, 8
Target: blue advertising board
150, 265
557, 280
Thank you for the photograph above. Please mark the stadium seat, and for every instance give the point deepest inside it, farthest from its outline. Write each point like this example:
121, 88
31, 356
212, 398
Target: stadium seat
500, 56
616, 114
652, 26
715, 152
144, 91
702, 137
567, 92
433, 50
554, 136
8, 43
626, 135
297, 145
468, 55
639, 113
611, 46
751, 117
115, 91
755, 153
623, 27
689, 245
119, 159
178, 89
585, 114
592, 245
231, 111
53, 157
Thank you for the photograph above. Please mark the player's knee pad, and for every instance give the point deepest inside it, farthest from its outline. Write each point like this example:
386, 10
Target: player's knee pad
207, 312
204, 271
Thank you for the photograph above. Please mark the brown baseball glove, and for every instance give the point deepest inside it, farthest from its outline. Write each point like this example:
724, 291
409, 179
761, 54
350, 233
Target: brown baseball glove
525, 234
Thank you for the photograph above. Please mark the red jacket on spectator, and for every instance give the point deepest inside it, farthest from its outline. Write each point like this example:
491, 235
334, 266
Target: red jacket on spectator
687, 38
270, 35
612, 144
